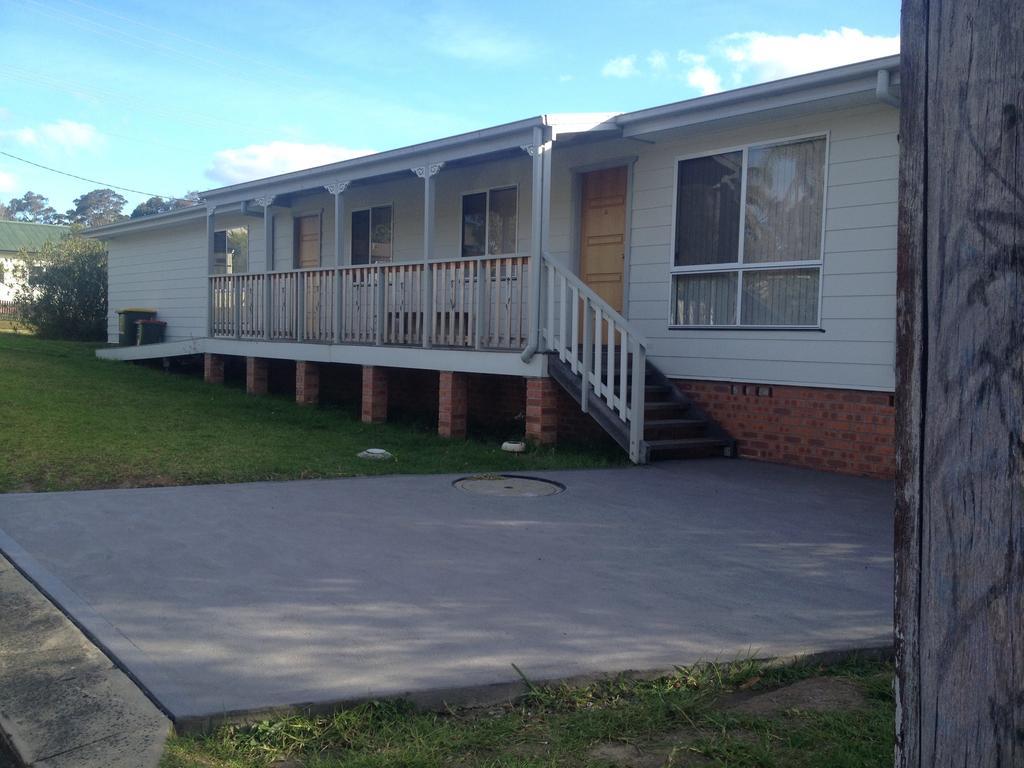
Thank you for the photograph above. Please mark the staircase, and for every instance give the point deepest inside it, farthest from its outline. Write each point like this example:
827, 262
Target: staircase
598, 357
673, 426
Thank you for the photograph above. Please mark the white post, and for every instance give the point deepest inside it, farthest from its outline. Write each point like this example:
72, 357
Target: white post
588, 355
337, 188
540, 151
211, 238
268, 260
427, 173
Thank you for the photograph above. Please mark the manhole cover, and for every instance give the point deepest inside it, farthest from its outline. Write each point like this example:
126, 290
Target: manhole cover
508, 485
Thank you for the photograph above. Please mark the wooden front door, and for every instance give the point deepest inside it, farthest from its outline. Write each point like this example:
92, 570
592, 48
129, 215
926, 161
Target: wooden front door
307, 242
603, 233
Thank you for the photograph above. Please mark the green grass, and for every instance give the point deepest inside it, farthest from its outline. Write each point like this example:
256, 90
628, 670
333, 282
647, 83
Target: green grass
676, 720
71, 421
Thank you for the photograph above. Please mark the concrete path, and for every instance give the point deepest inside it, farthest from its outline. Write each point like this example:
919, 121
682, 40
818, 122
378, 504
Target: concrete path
232, 598
62, 702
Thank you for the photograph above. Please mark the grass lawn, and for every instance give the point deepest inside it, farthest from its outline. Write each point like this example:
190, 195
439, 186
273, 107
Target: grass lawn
71, 421
739, 715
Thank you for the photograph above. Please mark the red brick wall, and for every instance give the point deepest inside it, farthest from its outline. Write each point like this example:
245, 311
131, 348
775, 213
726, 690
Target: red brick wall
840, 430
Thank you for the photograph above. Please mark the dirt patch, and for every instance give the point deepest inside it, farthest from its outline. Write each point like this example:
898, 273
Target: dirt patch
819, 694
670, 749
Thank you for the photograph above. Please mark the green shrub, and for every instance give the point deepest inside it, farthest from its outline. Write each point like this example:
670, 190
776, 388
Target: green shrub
63, 291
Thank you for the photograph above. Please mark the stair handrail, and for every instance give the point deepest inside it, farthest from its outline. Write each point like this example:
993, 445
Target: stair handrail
631, 338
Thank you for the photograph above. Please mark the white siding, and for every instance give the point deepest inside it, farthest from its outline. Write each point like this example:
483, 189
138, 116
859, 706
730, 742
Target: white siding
164, 270
856, 347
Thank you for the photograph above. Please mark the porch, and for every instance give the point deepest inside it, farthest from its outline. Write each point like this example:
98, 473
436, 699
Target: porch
476, 303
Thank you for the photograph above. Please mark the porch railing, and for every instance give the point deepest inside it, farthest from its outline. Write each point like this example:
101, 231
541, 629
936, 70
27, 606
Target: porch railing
599, 345
477, 303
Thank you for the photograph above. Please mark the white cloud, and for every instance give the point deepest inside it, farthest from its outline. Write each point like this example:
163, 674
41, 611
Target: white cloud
657, 61
8, 182
256, 161
704, 79
757, 56
745, 58
698, 73
622, 66
62, 134
473, 41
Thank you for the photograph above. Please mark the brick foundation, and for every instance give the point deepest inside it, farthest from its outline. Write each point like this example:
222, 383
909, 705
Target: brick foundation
840, 430
307, 383
213, 368
375, 394
257, 375
542, 411
452, 404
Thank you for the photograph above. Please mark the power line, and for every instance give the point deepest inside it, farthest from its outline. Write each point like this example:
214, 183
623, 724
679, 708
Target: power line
93, 181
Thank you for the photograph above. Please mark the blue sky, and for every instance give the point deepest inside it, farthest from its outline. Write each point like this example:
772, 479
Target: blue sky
170, 97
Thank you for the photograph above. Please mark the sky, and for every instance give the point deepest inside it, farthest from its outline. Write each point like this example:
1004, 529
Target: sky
165, 98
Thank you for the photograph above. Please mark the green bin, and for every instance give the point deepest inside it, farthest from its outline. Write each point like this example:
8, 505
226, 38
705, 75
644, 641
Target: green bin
126, 319
150, 331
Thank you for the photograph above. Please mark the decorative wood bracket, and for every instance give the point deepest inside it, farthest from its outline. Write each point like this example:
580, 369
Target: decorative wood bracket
337, 187
264, 202
426, 171
529, 149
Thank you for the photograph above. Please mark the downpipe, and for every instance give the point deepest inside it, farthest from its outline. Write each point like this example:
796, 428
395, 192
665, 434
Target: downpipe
883, 89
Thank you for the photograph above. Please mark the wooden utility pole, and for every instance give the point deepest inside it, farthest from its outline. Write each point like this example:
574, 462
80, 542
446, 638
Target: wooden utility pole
960, 386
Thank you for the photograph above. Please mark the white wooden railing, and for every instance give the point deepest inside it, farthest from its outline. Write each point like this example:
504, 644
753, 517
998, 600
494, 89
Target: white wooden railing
479, 303
599, 345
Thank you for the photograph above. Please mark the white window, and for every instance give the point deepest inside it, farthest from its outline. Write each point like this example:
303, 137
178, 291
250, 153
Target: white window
372, 235
489, 222
748, 236
231, 251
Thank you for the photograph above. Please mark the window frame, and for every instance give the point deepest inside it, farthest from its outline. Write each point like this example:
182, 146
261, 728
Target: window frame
487, 220
350, 230
738, 266
248, 250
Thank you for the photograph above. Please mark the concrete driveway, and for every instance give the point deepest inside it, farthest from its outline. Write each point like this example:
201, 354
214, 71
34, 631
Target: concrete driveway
222, 599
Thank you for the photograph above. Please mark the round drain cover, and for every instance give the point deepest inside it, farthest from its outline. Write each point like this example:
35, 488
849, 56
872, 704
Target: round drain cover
508, 485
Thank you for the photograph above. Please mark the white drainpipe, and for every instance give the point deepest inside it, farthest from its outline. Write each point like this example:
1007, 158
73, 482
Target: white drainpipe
883, 90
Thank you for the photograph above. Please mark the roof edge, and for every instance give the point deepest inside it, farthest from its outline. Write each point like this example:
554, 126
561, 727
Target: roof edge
144, 223
836, 75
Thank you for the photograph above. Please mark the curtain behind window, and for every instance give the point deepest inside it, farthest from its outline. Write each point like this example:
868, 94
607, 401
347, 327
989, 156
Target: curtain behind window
785, 194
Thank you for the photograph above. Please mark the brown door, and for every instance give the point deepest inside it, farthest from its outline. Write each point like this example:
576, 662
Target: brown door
307, 242
603, 233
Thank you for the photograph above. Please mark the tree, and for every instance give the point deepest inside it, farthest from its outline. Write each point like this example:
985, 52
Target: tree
959, 527
35, 208
64, 290
98, 207
164, 205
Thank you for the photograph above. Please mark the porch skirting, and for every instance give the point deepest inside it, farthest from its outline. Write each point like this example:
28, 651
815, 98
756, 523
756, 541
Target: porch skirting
839, 430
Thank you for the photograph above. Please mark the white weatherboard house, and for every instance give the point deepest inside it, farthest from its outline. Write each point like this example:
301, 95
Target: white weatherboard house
707, 276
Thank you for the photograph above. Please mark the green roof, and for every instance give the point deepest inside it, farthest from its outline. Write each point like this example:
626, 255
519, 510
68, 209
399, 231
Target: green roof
16, 235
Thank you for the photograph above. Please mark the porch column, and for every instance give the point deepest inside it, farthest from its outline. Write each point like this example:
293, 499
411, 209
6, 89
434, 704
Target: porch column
213, 368
307, 383
427, 173
257, 370
375, 394
211, 238
541, 410
540, 216
337, 188
452, 404
268, 231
